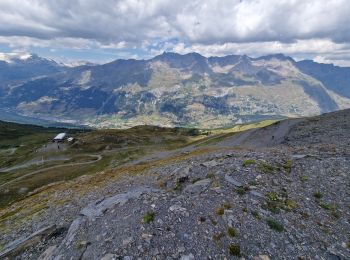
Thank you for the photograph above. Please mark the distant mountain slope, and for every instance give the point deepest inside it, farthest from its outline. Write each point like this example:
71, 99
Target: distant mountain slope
25, 66
185, 90
332, 77
19, 119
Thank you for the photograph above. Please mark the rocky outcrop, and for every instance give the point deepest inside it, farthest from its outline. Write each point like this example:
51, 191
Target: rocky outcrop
20, 245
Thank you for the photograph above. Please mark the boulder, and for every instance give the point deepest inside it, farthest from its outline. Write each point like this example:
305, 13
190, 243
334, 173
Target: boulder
198, 187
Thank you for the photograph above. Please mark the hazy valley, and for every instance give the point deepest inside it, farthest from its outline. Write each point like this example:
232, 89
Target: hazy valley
171, 90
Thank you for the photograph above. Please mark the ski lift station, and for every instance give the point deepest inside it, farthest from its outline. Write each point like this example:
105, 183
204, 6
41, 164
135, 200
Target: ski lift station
60, 137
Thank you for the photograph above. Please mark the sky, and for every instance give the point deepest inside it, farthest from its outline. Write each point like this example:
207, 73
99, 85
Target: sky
104, 30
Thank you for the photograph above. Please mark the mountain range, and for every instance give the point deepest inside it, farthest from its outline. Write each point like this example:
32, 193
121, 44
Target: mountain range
171, 90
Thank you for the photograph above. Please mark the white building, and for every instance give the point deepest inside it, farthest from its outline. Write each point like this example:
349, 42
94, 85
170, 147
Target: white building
60, 137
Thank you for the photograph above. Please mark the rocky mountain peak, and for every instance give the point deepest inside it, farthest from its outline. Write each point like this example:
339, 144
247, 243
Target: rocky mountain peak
278, 56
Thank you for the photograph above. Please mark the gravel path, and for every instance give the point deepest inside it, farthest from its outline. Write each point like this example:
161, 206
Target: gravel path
35, 161
262, 137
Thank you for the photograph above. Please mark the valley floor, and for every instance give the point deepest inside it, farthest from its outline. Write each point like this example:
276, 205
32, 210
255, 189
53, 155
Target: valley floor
279, 192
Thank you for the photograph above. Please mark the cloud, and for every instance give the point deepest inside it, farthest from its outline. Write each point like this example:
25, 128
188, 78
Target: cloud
214, 21
313, 46
261, 20
212, 26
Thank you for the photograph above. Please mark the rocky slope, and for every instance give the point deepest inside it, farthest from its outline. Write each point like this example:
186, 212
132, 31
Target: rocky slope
279, 192
174, 90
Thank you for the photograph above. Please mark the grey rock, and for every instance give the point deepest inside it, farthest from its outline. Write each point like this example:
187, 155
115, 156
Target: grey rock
256, 193
96, 210
48, 253
299, 156
21, 244
127, 241
109, 257
22, 190
212, 163
261, 257
177, 208
187, 257
198, 187
72, 231
229, 179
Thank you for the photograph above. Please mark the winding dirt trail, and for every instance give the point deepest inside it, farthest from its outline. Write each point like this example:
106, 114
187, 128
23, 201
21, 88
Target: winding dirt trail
97, 157
35, 161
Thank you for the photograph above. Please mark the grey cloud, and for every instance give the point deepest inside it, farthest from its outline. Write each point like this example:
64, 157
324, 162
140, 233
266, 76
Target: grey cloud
205, 22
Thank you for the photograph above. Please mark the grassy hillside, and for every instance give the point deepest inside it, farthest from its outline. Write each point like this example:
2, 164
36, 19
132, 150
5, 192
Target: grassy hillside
29, 160
12, 134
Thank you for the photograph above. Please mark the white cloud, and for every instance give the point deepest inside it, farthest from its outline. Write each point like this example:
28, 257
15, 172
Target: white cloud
24, 41
252, 27
313, 46
214, 21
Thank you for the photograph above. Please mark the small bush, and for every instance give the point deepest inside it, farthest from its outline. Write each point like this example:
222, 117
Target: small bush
217, 237
304, 178
242, 190
336, 214
180, 183
266, 167
275, 225
216, 184
148, 217
231, 232
318, 195
272, 196
256, 215
290, 204
220, 211
248, 162
305, 215
272, 206
211, 175
226, 205
326, 206
253, 183
288, 166
178, 186
235, 250
213, 221
202, 219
